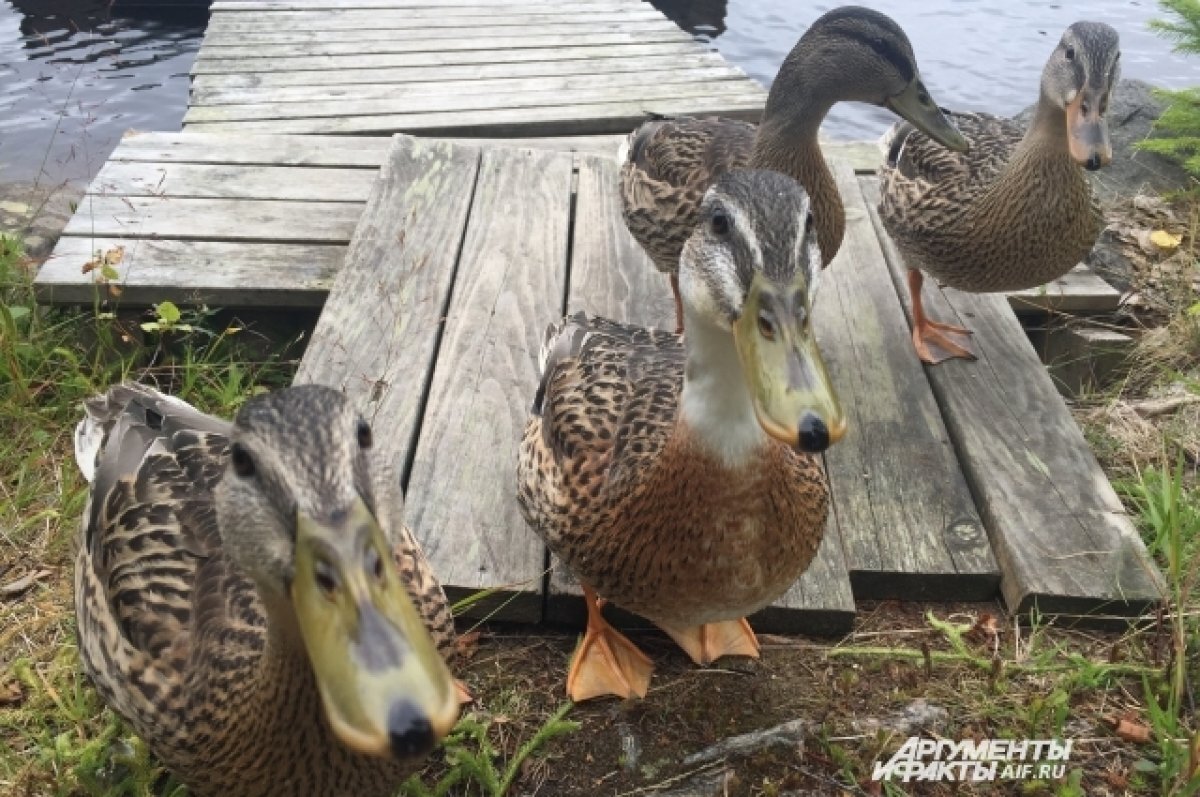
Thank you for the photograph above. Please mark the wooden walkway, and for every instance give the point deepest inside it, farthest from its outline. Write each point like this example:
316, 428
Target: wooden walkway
454, 67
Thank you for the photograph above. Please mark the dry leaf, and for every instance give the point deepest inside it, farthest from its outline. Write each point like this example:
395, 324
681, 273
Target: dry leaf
14, 588
466, 645
11, 694
1165, 240
986, 629
114, 255
1133, 731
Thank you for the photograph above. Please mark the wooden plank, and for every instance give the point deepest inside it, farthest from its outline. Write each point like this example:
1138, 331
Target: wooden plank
304, 26
424, 74
611, 276
442, 102
1064, 543
863, 157
264, 150
510, 282
125, 178
379, 334
273, 95
193, 273
213, 66
275, 32
447, 6
614, 117
1080, 291
908, 521
214, 219
422, 44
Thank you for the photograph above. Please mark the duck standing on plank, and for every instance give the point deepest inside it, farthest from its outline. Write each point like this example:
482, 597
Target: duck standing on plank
849, 53
1016, 211
678, 478
244, 602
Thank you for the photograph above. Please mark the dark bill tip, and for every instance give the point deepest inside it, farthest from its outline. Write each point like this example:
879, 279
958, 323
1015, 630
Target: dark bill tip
814, 434
409, 731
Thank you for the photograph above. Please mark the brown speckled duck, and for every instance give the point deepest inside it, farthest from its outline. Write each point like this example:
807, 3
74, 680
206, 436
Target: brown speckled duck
677, 478
1016, 211
247, 602
849, 53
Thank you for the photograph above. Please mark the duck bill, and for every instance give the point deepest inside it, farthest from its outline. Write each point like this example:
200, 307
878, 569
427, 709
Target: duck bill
1087, 132
915, 105
793, 398
385, 689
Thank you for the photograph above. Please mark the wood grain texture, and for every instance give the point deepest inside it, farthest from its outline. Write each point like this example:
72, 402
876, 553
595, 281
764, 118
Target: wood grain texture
214, 219
909, 526
446, 6
193, 273
436, 101
274, 95
1080, 291
510, 282
280, 26
614, 117
379, 334
260, 150
300, 184
1060, 534
611, 276
384, 75
416, 43
213, 66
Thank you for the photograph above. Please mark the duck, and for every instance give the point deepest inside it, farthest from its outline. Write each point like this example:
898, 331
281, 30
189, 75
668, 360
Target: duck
246, 600
1015, 211
678, 477
848, 54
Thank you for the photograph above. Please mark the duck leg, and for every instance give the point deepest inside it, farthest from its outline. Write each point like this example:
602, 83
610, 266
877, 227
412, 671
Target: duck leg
606, 662
933, 340
678, 304
709, 642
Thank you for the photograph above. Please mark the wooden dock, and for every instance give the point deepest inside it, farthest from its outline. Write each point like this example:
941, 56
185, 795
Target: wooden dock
438, 262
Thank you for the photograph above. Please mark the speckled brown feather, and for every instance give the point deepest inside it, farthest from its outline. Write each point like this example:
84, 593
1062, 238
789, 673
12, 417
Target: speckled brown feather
616, 486
1002, 217
173, 634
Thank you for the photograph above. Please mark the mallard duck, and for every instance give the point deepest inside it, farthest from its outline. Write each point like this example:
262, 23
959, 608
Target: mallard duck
1016, 211
849, 53
675, 477
238, 601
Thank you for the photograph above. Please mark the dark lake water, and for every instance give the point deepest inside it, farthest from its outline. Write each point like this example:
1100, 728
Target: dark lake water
75, 75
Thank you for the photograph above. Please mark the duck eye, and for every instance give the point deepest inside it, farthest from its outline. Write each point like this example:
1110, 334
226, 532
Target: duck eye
374, 564
765, 327
1070, 53
326, 578
720, 224
243, 463
364, 434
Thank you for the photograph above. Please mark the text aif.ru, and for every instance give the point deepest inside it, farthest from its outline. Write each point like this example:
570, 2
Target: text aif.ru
984, 760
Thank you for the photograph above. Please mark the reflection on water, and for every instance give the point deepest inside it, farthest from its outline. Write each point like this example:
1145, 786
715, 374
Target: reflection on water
973, 54
74, 77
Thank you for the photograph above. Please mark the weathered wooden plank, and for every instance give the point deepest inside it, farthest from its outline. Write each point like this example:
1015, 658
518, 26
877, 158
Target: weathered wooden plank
611, 276
213, 66
425, 74
273, 32
193, 273
273, 95
1064, 543
421, 44
321, 25
1080, 290
263, 150
214, 219
431, 102
863, 157
614, 117
448, 6
378, 336
510, 281
909, 525
126, 178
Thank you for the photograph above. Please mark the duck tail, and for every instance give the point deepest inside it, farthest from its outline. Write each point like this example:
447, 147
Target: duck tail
562, 341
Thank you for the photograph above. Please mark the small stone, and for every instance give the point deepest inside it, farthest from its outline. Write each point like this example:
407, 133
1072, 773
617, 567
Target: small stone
919, 715
789, 733
18, 208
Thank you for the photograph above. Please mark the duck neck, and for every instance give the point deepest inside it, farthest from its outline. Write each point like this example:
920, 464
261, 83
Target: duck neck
1046, 138
716, 409
284, 673
787, 142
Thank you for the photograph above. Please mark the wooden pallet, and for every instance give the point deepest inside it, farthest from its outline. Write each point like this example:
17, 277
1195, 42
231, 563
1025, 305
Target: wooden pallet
475, 68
